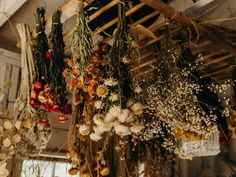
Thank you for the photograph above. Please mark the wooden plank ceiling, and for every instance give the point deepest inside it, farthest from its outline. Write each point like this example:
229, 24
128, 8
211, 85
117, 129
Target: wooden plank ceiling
213, 61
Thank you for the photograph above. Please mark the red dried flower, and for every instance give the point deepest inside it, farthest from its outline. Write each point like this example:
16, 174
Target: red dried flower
48, 55
56, 108
67, 109
38, 85
48, 107
90, 69
34, 94
34, 103
62, 119
44, 121
47, 88
86, 79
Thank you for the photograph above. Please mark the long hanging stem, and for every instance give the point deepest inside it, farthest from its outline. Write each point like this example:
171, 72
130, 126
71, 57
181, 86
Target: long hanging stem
81, 39
120, 48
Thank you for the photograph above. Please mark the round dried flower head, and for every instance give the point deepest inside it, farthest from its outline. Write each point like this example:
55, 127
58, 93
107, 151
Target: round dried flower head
102, 91
98, 119
95, 137
126, 60
16, 138
114, 110
121, 130
6, 142
18, 124
84, 129
123, 116
7, 125
137, 108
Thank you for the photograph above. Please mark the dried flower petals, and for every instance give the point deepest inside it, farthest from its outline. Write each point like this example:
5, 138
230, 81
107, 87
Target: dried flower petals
7, 125
95, 137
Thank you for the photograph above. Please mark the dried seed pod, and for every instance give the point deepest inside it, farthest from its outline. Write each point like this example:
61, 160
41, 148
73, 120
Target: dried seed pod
105, 171
6, 142
18, 124
73, 171
7, 125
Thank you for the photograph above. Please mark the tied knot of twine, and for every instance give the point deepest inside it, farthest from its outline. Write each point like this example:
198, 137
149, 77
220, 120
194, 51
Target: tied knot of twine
169, 20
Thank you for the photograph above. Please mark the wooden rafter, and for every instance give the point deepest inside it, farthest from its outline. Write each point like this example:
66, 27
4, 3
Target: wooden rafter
225, 69
186, 21
145, 63
216, 60
205, 57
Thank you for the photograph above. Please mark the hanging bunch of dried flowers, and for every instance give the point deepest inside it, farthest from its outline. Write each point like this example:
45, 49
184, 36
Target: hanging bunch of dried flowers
42, 59
24, 134
55, 98
116, 108
80, 69
117, 116
81, 83
102, 86
33, 127
172, 99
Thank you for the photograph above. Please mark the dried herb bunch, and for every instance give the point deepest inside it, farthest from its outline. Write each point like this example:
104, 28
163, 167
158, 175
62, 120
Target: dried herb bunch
58, 90
41, 48
42, 60
81, 41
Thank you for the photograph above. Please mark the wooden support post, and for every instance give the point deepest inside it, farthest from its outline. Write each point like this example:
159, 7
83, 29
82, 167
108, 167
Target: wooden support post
186, 21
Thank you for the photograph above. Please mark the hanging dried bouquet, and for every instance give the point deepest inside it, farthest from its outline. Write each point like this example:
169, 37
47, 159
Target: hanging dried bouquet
171, 98
107, 112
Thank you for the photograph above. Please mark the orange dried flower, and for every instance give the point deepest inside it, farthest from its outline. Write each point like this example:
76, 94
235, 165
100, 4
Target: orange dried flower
75, 72
65, 73
93, 82
90, 69
91, 90
80, 85
73, 82
70, 62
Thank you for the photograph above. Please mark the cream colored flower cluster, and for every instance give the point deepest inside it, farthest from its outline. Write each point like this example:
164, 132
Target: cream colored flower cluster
109, 116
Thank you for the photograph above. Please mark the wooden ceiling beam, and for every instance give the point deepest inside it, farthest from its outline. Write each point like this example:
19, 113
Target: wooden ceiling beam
217, 60
145, 18
225, 69
159, 38
115, 20
149, 53
154, 60
186, 21
215, 68
205, 57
